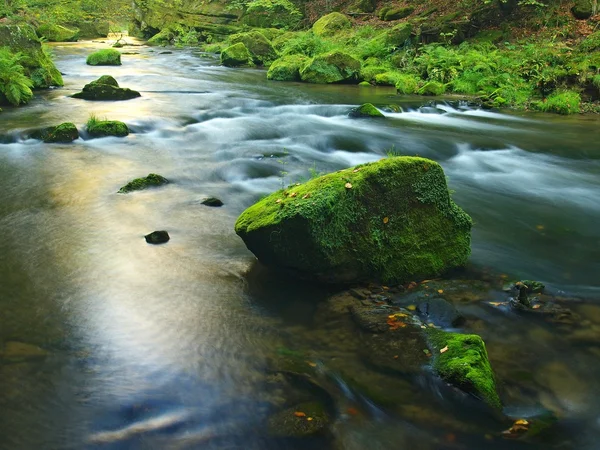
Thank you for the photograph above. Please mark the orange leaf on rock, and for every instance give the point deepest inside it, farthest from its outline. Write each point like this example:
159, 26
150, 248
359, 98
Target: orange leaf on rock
386, 219
352, 411
300, 414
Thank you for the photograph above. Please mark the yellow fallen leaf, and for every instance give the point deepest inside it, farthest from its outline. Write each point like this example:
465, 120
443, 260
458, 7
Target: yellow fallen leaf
385, 288
278, 200
348, 186
356, 170
297, 184
307, 195
386, 219
300, 414
521, 422
293, 194
312, 364
309, 418
412, 307
395, 356
540, 227
496, 303
440, 291
444, 350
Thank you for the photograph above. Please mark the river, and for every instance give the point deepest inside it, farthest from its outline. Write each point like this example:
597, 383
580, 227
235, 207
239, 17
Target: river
125, 345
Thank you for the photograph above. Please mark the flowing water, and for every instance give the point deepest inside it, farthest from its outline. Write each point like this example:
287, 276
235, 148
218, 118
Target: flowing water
124, 345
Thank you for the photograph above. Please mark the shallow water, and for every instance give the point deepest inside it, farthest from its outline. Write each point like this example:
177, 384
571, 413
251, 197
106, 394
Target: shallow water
156, 347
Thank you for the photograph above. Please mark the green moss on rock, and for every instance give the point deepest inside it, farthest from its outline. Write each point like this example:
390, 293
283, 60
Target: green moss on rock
106, 57
58, 33
260, 48
332, 67
582, 9
397, 13
407, 84
366, 110
236, 55
105, 88
432, 88
63, 133
272, 13
391, 221
103, 128
330, 24
287, 68
560, 102
138, 184
464, 364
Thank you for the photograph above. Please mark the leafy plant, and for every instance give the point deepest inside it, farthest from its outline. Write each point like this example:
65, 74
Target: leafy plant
14, 85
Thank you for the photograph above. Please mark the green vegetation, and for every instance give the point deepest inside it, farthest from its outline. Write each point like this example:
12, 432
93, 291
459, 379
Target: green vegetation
461, 360
15, 87
106, 57
366, 110
287, 68
272, 13
392, 221
331, 67
138, 184
102, 128
561, 102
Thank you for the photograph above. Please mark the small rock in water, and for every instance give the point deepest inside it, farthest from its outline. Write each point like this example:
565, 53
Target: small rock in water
157, 237
165, 53
212, 201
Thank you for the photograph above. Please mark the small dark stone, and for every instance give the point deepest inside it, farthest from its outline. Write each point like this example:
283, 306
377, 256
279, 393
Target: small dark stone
212, 201
165, 53
440, 312
157, 237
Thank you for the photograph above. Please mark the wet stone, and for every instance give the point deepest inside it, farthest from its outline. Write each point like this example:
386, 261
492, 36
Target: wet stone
371, 319
302, 420
212, 201
440, 312
157, 237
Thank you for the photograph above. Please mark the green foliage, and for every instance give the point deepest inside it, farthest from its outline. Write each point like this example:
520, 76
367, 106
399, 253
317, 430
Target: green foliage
406, 83
287, 68
15, 87
331, 24
561, 102
272, 13
590, 43
306, 43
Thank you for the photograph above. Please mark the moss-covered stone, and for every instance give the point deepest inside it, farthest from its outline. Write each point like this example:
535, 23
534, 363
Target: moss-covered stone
330, 24
397, 13
303, 420
57, 33
258, 45
392, 221
105, 88
406, 84
38, 65
166, 36
103, 128
138, 184
63, 133
398, 35
464, 363
236, 55
333, 67
582, 9
106, 57
272, 13
432, 88
365, 84
366, 110
364, 6
287, 68
91, 29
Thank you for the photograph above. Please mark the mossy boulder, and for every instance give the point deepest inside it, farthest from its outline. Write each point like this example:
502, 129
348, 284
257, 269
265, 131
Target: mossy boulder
287, 68
57, 33
106, 57
164, 37
461, 360
103, 128
397, 35
432, 88
105, 88
63, 133
330, 24
366, 110
236, 55
364, 6
37, 64
582, 9
272, 13
91, 29
397, 13
332, 67
392, 221
407, 84
138, 184
260, 48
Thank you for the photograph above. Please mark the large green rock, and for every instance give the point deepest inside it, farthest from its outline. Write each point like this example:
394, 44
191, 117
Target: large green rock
287, 68
63, 133
582, 9
330, 24
57, 33
236, 55
271, 13
91, 29
391, 221
397, 13
260, 48
106, 57
397, 35
333, 67
105, 88
103, 128
366, 110
462, 361
38, 65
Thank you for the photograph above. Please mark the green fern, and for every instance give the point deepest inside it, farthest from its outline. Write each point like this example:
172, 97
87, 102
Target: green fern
14, 85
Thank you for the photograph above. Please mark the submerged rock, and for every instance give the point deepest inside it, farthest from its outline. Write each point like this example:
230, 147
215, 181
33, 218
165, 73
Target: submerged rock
332, 67
63, 133
302, 420
157, 237
105, 88
236, 55
138, 184
106, 57
462, 361
103, 128
392, 221
366, 110
212, 201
